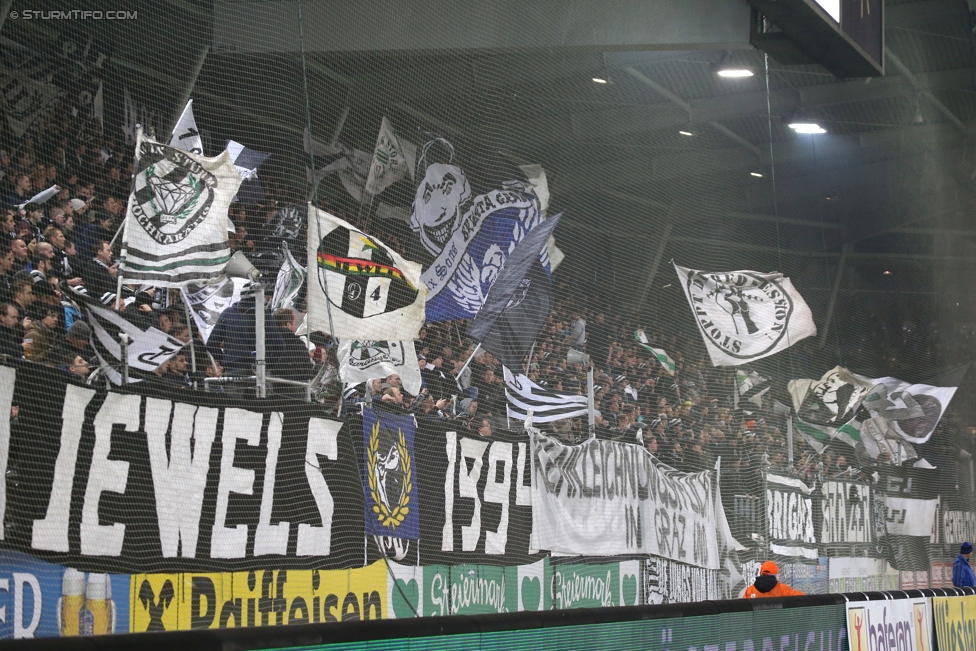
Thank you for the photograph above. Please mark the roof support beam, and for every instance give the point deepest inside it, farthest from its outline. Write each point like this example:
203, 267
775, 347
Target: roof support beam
423, 26
725, 131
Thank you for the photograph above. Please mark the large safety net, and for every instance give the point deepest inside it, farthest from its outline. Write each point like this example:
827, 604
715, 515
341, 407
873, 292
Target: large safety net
292, 333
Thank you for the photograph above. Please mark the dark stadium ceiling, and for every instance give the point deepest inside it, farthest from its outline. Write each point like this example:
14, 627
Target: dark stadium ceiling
898, 155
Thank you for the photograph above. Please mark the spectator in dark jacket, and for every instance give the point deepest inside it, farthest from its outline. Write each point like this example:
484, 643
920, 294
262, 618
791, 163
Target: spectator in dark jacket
291, 361
232, 341
10, 338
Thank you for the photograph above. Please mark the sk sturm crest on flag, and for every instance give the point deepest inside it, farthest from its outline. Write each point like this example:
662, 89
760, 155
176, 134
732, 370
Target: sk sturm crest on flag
365, 289
176, 224
745, 315
390, 481
361, 361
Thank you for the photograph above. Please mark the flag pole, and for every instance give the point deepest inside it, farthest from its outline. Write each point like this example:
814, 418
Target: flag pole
122, 227
189, 325
467, 363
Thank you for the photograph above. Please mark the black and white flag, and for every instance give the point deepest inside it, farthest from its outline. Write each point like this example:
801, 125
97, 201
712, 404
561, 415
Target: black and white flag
186, 136
148, 347
208, 302
176, 224
750, 387
352, 165
25, 100
393, 159
745, 315
361, 361
288, 284
247, 161
137, 114
832, 400
547, 406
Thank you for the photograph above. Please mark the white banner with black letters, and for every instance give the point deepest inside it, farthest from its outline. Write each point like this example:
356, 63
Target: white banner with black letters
604, 498
789, 517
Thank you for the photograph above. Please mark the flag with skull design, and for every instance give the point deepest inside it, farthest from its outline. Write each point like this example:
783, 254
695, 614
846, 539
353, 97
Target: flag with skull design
390, 475
470, 229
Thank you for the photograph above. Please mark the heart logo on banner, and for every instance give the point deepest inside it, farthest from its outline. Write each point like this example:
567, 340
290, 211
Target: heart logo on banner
531, 592
405, 598
630, 590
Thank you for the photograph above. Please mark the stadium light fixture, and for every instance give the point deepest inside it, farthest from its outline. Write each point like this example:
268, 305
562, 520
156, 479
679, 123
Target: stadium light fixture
734, 73
807, 127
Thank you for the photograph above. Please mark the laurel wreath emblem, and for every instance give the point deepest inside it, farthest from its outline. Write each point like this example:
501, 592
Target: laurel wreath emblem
386, 517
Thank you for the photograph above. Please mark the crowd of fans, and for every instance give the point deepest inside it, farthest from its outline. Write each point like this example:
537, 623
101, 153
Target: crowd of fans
68, 244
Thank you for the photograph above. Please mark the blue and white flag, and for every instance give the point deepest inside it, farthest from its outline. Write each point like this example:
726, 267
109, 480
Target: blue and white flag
390, 475
469, 236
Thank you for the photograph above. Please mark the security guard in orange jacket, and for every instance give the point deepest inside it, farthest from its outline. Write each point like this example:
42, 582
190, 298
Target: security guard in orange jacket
767, 585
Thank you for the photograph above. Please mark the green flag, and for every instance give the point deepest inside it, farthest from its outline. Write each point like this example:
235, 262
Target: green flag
662, 356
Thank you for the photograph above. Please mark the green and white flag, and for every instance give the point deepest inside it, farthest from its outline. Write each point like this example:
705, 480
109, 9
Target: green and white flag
176, 223
393, 159
819, 435
290, 279
662, 356
749, 387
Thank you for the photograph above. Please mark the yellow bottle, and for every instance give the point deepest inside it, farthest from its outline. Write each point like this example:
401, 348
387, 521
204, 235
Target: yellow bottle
72, 601
96, 618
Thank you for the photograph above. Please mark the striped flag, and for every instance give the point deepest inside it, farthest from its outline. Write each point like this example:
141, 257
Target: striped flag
662, 356
176, 223
547, 406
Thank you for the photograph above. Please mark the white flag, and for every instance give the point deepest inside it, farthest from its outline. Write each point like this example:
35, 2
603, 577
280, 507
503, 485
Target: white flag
911, 410
364, 289
289, 282
41, 197
361, 361
176, 223
98, 108
745, 315
147, 348
185, 133
208, 302
393, 159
